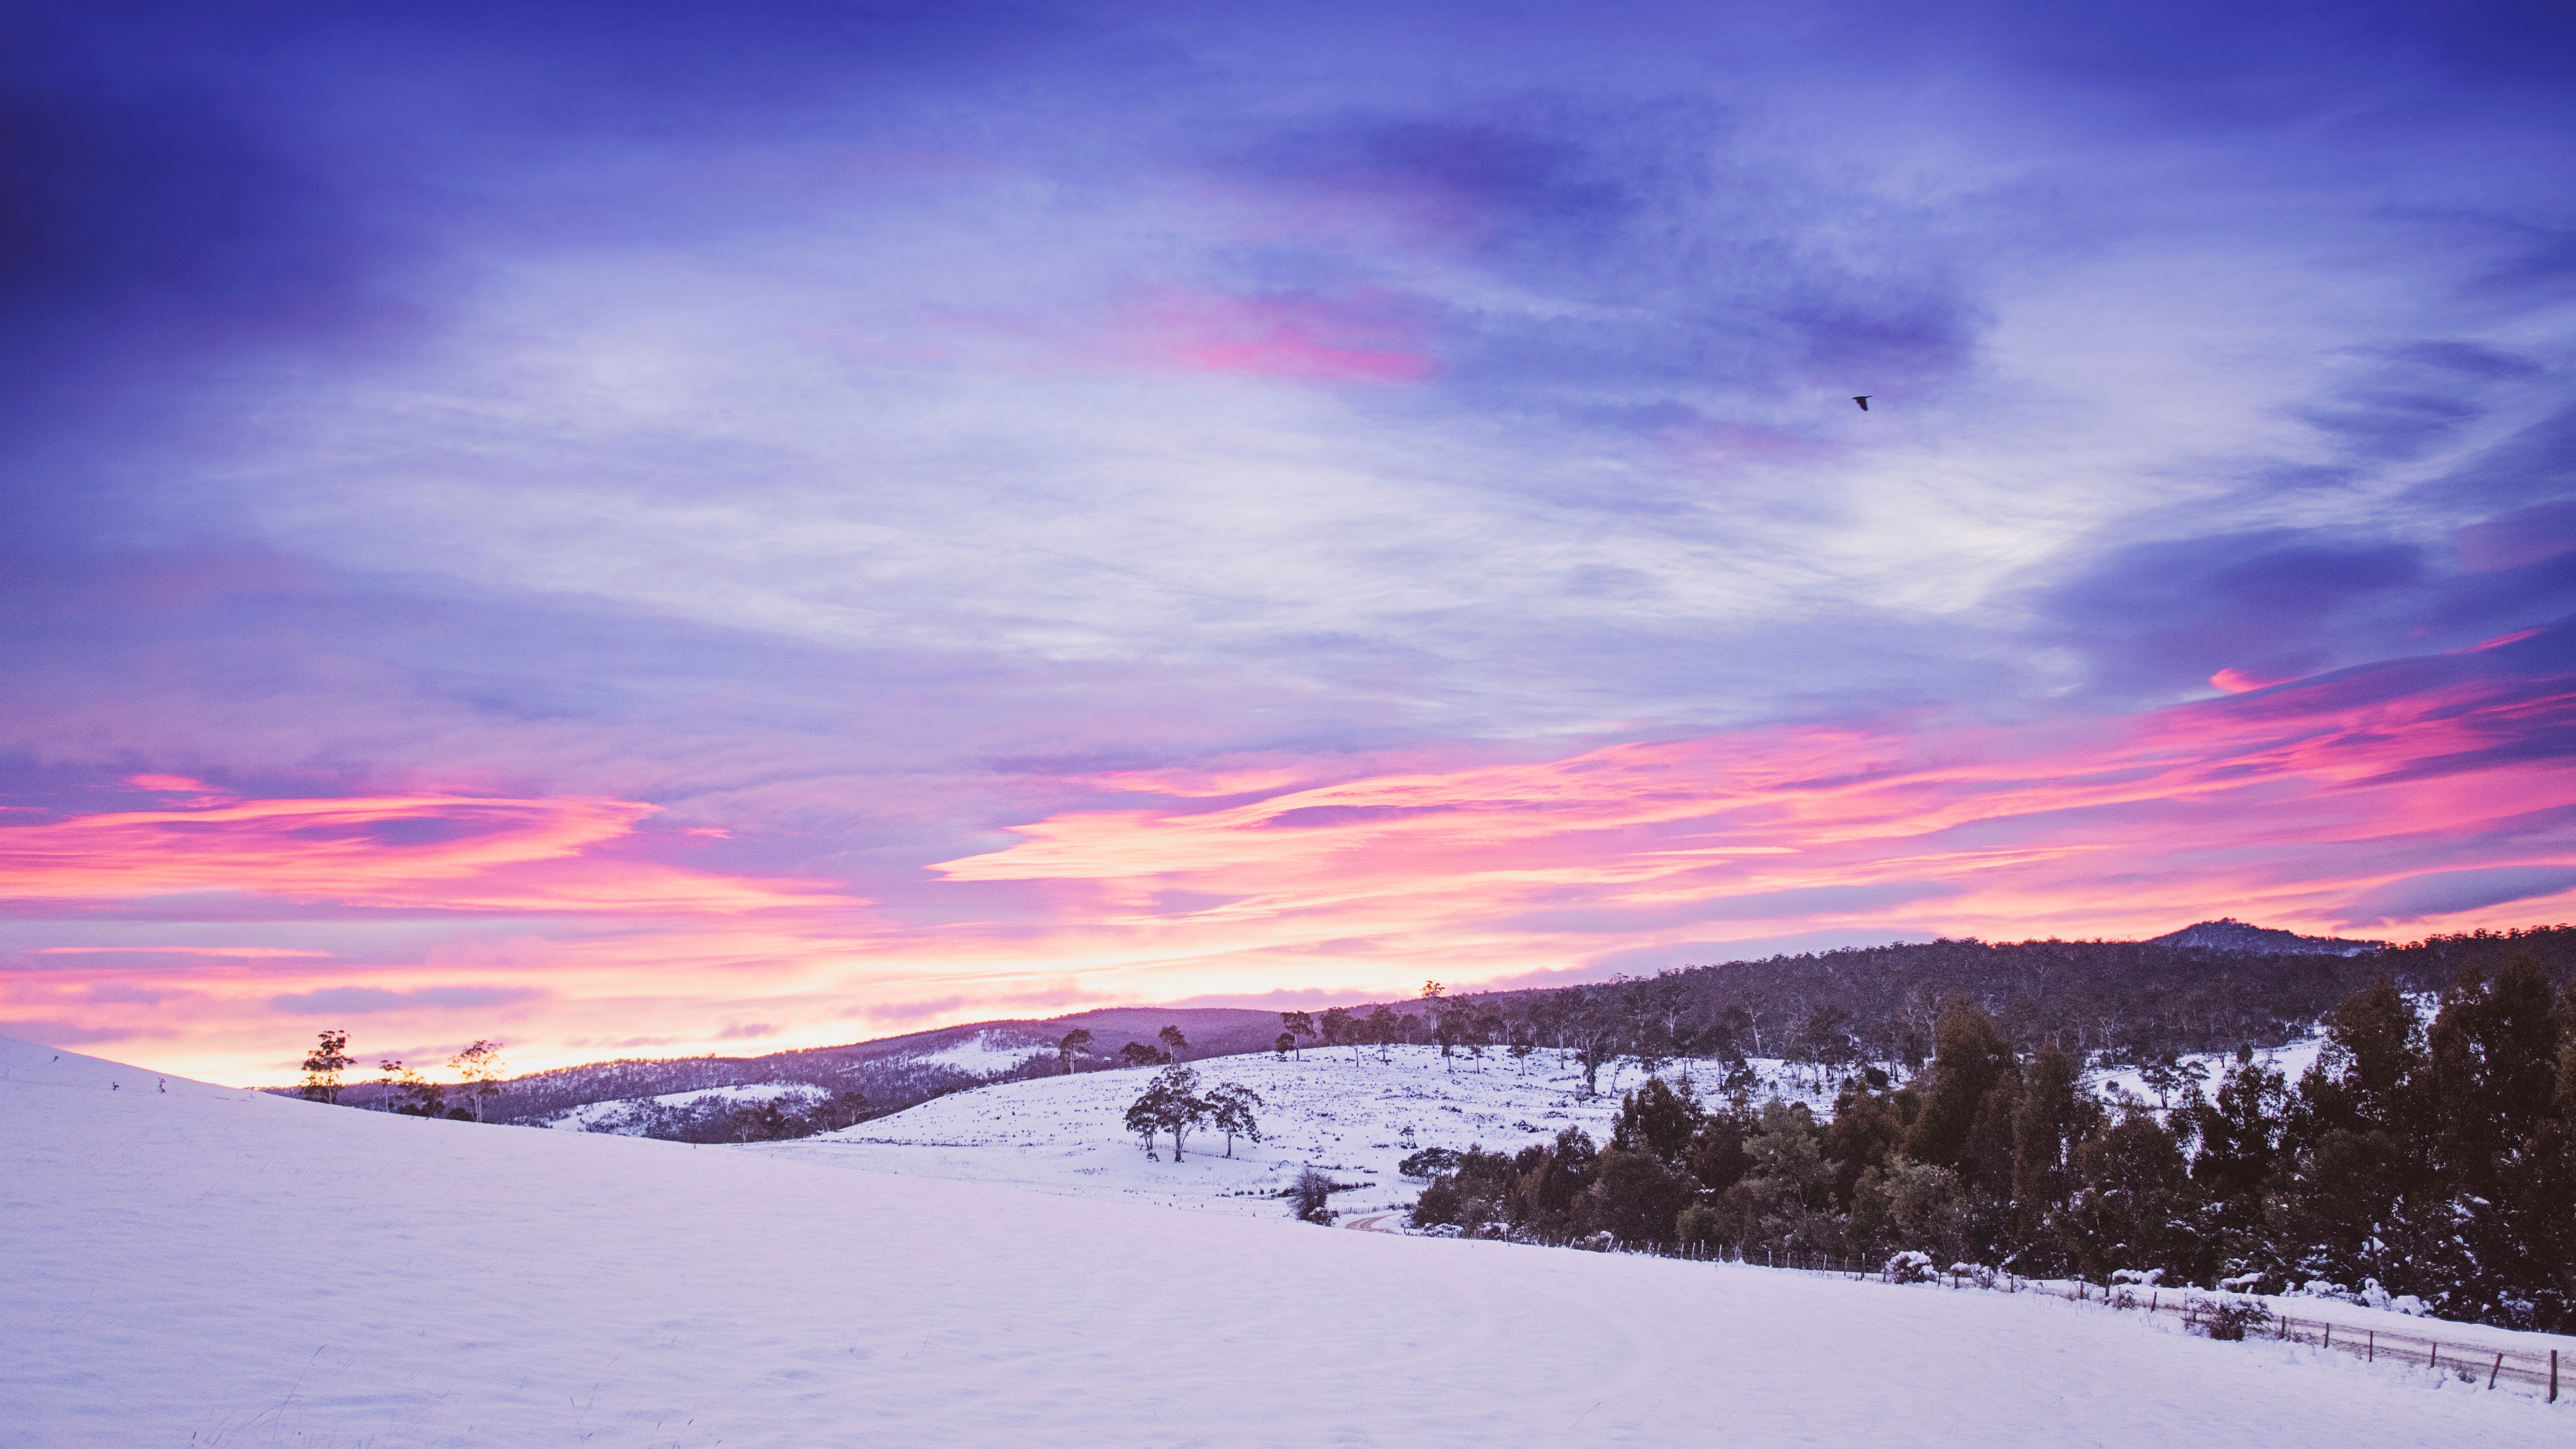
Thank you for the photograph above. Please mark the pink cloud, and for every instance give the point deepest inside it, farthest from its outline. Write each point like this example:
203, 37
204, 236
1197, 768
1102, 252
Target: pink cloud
2408, 792
244, 952
1354, 337
2246, 681
2287, 808
450, 852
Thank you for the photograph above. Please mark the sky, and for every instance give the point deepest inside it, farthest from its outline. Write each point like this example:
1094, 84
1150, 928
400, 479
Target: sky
650, 529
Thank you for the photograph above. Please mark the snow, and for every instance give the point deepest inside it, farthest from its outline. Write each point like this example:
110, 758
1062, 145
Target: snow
1347, 1116
985, 1054
580, 1119
2292, 1060
215, 1267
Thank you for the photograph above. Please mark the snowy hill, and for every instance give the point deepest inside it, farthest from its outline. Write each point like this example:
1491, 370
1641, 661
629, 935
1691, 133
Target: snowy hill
889, 1070
1348, 1113
193, 1264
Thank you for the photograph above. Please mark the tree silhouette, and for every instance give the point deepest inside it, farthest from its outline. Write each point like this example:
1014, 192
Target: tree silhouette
481, 1067
322, 1068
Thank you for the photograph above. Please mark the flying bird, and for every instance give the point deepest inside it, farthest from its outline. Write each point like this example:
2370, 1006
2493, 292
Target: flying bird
1863, 400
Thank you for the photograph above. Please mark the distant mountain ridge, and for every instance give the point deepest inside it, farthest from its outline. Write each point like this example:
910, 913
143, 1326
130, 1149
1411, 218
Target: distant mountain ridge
2230, 934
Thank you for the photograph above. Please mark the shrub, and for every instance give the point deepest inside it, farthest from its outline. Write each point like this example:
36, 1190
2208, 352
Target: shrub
1429, 1162
1310, 1198
2230, 1319
1910, 1267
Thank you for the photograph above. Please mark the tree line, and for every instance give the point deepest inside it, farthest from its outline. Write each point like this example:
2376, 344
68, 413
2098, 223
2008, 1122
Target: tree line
2432, 1156
718, 1119
2104, 1002
479, 1069
404, 1090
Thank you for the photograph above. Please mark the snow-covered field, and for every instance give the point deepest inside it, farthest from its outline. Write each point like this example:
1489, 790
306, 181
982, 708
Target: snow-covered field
986, 1053
1348, 1113
1354, 1118
2292, 1061
205, 1266
582, 1118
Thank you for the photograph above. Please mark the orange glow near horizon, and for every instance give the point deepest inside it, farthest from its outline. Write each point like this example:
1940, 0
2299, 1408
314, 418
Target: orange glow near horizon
542, 920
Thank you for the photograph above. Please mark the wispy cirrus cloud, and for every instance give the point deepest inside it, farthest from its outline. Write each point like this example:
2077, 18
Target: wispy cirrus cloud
2318, 804
452, 852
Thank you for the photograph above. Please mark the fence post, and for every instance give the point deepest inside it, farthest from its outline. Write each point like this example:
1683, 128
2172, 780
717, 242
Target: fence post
2553, 1376
2370, 1346
2330, 1335
2433, 1356
2491, 1373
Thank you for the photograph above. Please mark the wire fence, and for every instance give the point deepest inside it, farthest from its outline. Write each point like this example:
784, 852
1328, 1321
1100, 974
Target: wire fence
2225, 1316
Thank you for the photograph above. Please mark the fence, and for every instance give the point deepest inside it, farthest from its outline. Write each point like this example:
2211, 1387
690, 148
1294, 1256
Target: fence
2532, 1369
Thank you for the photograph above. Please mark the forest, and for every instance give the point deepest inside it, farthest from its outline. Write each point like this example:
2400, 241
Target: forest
2105, 1003
2431, 1151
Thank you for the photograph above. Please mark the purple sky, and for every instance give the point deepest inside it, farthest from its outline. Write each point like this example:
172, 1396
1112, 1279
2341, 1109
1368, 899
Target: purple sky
648, 529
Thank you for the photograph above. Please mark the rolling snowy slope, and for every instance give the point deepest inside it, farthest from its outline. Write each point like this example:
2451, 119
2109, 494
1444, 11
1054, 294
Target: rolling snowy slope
211, 1267
1355, 1118
1351, 1114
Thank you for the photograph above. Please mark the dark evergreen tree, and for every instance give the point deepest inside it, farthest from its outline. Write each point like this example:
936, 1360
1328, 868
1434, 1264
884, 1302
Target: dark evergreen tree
1969, 1058
1868, 1124
1657, 1119
1635, 1196
2053, 1115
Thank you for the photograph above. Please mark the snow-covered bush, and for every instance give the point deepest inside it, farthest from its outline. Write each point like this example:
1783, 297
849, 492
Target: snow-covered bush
2230, 1320
1977, 1273
1910, 1267
2241, 1283
2148, 1278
